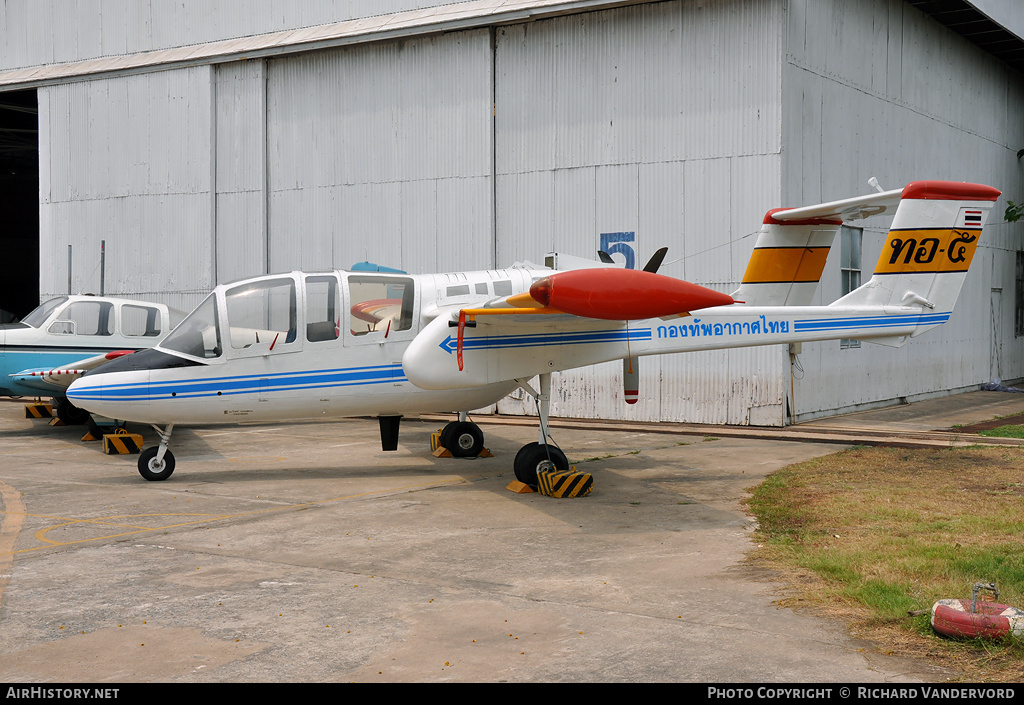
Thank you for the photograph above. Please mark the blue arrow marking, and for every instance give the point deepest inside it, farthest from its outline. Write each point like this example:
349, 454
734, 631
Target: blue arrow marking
495, 342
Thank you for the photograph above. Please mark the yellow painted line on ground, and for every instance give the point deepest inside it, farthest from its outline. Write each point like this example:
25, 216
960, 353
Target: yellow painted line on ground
103, 521
17, 519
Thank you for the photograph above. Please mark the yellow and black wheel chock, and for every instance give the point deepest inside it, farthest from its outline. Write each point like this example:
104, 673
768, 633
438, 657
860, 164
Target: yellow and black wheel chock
564, 483
38, 410
120, 442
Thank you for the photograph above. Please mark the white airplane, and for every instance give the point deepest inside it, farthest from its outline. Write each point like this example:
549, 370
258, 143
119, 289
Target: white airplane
301, 345
40, 355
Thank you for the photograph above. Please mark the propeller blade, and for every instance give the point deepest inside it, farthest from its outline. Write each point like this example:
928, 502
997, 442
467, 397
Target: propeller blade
655, 261
605, 257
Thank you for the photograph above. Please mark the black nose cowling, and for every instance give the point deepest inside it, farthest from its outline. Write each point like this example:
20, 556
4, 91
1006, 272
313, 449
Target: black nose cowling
151, 359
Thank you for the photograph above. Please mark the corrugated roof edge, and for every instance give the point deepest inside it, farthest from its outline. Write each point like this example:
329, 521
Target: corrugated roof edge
445, 18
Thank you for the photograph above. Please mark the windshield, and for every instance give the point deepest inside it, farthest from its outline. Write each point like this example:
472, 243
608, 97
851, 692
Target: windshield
199, 334
42, 312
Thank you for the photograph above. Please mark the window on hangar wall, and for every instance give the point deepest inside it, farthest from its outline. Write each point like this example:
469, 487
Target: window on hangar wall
849, 266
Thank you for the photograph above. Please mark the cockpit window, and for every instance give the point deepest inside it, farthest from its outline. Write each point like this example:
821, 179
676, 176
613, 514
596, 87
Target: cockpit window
262, 312
199, 334
84, 318
39, 315
140, 320
380, 304
323, 308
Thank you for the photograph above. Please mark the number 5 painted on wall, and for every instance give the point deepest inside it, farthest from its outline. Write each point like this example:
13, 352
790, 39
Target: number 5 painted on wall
618, 242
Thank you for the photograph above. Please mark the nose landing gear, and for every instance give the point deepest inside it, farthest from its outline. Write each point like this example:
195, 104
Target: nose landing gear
157, 462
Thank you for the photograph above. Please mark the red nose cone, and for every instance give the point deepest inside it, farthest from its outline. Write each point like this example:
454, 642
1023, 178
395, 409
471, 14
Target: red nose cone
623, 294
541, 291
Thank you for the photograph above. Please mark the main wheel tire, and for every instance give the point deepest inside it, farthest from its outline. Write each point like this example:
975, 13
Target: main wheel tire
150, 469
70, 414
464, 440
534, 457
522, 451
446, 434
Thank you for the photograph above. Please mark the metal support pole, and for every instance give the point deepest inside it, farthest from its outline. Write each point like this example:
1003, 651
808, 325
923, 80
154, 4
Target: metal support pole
544, 404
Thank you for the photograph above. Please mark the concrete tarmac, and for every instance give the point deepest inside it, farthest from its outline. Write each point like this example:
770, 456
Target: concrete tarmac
303, 553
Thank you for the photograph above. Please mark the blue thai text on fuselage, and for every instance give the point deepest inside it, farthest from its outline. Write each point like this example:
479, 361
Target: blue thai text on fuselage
697, 328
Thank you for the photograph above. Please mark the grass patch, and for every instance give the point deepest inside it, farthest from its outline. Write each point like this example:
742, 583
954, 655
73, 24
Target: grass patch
1010, 431
596, 458
872, 534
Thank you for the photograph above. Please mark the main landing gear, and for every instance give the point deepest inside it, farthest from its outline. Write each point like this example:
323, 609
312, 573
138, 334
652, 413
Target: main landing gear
462, 438
70, 414
157, 462
535, 457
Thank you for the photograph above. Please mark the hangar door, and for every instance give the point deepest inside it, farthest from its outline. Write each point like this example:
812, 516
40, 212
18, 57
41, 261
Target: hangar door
382, 152
629, 130
126, 182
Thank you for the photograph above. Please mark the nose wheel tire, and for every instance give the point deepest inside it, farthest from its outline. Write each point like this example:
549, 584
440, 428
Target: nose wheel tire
152, 469
534, 457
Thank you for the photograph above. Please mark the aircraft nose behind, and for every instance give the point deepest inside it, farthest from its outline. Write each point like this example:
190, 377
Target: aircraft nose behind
118, 387
94, 394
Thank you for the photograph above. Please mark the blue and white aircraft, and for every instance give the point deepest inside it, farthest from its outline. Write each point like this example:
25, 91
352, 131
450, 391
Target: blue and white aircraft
62, 338
342, 343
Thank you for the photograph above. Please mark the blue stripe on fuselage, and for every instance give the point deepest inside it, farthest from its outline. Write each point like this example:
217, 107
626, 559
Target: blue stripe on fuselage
243, 384
865, 322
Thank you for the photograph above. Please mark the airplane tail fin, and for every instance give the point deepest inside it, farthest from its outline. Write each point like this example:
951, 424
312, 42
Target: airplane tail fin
927, 253
787, 262
929, 248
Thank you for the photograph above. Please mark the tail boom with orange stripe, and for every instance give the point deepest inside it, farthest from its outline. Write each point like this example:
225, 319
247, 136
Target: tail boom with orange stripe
927, 252
926, 256
788, 259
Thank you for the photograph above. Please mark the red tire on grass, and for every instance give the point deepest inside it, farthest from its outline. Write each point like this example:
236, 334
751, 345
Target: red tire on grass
992, 620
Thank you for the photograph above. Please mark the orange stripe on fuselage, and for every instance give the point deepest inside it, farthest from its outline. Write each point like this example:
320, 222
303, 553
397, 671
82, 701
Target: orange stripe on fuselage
785, 264
928, 251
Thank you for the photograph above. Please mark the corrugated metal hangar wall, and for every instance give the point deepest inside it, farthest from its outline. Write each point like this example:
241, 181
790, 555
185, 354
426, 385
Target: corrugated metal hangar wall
670, 123
878, 88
